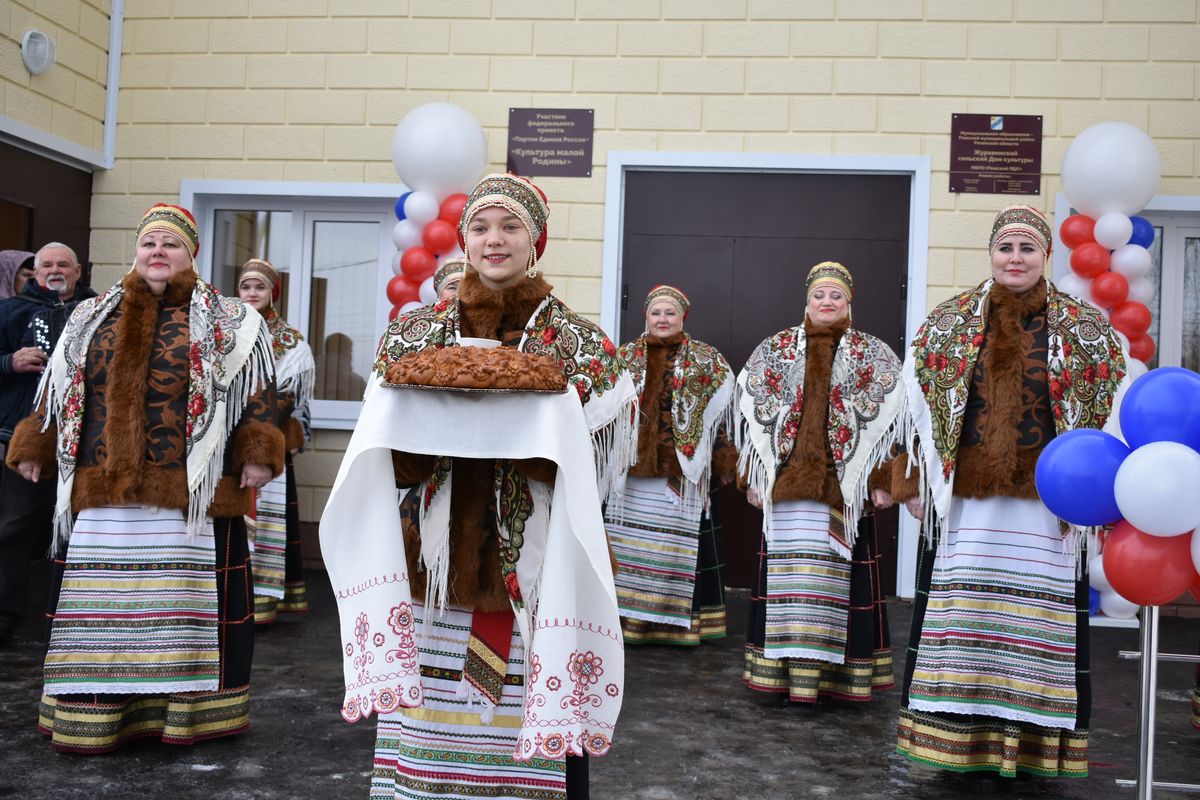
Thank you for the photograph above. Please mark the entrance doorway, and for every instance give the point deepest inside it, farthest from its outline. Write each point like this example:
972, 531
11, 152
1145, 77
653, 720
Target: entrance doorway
739, 243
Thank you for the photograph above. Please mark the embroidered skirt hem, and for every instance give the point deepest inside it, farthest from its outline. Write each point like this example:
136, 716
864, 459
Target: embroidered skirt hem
95, 724
805, 681
977, 744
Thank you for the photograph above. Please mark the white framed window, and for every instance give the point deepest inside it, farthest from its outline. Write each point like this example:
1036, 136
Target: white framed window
332, 246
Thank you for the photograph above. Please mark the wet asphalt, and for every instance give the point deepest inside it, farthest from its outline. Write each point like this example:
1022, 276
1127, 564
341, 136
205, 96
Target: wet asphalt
688, 730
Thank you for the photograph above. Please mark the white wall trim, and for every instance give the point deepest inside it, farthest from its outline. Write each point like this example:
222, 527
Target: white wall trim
917, 167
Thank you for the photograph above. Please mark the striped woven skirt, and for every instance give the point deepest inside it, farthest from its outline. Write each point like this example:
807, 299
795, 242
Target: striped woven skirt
151, 632
997, 671
656, 543
818, 624
444, 749
708, 598
279, 585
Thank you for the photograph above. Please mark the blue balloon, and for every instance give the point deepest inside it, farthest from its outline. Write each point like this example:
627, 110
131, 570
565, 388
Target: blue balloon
1075, 475
1143, 231
1093, 601
400, 205
1163, 406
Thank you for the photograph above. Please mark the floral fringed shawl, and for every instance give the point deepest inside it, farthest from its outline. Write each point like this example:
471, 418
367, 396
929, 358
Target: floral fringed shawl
866, 411
229, 359
1085, 369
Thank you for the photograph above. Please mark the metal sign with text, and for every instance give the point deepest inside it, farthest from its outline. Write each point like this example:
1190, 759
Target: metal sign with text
996, 154
550, 141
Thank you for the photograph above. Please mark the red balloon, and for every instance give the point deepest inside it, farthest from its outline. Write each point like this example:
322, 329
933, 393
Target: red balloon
417, 264
1195, 587
1077, 229
1090, 259
395, 312
1142, 348
401, 290
1110, 289
1147, 570
1130, 318
439, 236
452, 208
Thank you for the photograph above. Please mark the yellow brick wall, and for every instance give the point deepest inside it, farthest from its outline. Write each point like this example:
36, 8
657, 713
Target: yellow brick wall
68, 99
311, 90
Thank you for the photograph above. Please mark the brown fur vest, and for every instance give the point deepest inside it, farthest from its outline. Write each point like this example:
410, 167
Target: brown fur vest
808, 473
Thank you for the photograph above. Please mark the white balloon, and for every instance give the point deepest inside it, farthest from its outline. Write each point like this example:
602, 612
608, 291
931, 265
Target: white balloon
1113, 230
1117, 607
406, 234
1133, 261
439, 148
1077, 285
396, 262
411, 305
420, 209
428, 294
1096, 577
1141, 291
1111, 166
455, 253
1124, 340
1196, 549
1156, 488
1134, 369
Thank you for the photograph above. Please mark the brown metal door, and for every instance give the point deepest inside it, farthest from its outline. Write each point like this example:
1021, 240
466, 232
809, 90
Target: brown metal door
740, 245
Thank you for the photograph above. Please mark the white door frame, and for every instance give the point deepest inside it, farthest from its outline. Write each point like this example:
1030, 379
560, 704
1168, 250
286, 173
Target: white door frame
917, 168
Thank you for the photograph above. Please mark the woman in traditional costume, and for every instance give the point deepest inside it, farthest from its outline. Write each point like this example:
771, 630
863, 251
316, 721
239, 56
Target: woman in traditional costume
997, 671
448, 277
157, 410
662, 530
819, 408
482, 624
279, 586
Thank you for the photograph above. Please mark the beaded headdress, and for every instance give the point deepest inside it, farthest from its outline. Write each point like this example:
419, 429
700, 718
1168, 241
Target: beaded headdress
1022, 221
518, 196
669, 294
450, 268
830, 273
175, 220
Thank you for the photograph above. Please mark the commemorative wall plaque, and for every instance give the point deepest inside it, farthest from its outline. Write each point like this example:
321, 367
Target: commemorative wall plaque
996, 154
550, 141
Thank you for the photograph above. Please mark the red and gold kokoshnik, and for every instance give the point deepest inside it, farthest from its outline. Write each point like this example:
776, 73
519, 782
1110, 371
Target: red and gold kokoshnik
175, 220
1021, 221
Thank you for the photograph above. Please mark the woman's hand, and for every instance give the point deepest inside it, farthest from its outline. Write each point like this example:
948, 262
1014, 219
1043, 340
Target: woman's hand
916, 507
725, 478
881, 499
30, 471
255, 476
753, 497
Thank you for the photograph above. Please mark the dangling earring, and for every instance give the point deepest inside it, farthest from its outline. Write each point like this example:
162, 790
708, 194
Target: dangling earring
531, 269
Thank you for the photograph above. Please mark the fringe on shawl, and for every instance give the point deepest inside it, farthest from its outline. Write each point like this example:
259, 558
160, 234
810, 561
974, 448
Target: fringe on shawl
614, 447
698, 492
255, 373
757, 473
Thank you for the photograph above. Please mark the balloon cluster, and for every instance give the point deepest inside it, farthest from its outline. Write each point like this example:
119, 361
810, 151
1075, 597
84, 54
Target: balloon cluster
1144, 487
1109, 173
440, 151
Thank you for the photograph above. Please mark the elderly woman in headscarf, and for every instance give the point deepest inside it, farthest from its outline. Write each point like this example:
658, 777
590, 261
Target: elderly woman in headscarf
157, 417
667, 544
448, 278
819, 408
275, 525
482, 624
997, 672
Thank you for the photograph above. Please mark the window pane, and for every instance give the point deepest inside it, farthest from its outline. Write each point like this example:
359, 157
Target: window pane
243, 235
345, 263
1190, 357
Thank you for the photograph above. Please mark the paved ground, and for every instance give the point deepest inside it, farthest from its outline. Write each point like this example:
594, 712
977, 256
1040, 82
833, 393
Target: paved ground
688, 730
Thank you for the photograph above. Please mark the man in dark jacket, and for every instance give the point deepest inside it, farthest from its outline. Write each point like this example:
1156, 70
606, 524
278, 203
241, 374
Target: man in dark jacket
30, 324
